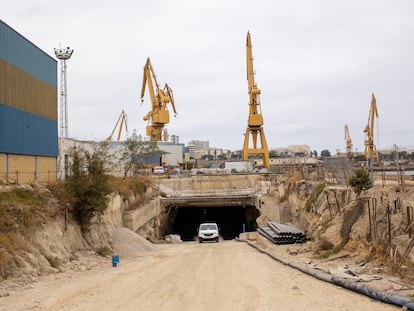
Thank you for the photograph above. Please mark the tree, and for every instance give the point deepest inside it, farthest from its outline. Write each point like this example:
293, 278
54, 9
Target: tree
134, 145
88, 184
315, 153
359, 158
235, 156
273, 154
300, 154
325, 153
360, 181
209, 157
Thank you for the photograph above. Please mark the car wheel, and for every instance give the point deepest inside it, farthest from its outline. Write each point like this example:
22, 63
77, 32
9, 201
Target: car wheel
217, 239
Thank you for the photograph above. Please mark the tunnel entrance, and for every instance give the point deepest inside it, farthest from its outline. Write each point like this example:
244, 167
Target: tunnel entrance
231, 220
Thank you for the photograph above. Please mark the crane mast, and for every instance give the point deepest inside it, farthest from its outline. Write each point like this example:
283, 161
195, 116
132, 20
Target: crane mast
348, 140
255, 119
159, 114
371, 152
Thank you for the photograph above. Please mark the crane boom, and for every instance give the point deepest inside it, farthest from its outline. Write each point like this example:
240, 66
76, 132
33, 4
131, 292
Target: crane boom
122, 120
159, 115
371, 152
255, 119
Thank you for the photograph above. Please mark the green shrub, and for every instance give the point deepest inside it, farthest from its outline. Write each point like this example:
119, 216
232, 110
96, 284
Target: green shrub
140, 188
360, 181
314, 196
88, 184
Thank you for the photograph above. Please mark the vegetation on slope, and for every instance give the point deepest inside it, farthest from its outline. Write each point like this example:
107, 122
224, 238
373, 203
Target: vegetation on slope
314, 196
20, 210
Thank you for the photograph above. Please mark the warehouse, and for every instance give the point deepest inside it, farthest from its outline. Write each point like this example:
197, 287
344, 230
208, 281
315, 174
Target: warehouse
28, 110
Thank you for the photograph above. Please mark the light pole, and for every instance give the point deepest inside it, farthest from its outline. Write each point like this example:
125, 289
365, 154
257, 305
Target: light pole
63, 55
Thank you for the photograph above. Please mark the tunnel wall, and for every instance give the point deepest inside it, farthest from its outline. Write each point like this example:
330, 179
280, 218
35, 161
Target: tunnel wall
139, 217
204, 183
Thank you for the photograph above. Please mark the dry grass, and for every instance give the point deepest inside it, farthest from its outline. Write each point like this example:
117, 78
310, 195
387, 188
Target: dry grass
350, 218
10, 244
131, 186
20, 211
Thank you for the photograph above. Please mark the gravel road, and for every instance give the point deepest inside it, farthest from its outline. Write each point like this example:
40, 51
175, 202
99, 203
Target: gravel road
189, 276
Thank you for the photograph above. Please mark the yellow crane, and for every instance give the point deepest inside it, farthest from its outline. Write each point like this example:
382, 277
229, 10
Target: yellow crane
371, 153
122, 121
255, 120
159, 115
348, 140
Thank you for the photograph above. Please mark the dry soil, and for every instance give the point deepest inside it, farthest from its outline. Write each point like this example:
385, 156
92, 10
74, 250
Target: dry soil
229, 275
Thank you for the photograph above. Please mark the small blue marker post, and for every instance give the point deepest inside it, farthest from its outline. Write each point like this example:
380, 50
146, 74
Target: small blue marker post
115, 260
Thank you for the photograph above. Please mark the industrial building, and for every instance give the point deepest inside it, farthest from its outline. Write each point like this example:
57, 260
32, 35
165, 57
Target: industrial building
28, 110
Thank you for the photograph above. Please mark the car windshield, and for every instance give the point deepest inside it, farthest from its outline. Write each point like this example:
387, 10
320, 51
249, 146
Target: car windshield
208, 227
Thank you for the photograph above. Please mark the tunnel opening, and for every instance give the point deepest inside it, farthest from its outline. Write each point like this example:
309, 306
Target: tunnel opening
231, 220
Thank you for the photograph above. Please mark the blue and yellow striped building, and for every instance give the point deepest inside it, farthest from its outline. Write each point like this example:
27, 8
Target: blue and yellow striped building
28, 110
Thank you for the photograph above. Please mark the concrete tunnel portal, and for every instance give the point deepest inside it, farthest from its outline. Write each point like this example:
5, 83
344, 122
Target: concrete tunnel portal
231, 220
232, 214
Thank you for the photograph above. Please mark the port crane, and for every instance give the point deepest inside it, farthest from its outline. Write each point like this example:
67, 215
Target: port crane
122, 122
159, 114
255, 119
348, 140
371, 153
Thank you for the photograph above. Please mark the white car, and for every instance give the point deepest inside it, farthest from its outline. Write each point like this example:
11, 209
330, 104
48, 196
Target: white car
208, 231
159, 170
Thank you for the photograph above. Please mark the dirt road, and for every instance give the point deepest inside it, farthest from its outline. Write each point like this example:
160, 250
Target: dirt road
229, 275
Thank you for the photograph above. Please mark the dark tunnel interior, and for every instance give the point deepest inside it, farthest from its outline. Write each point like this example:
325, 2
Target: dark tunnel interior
231, 220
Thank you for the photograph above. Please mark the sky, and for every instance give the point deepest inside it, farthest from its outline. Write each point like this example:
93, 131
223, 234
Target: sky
317, 64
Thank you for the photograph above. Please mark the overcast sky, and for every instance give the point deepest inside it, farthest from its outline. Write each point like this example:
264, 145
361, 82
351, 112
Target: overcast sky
316, 62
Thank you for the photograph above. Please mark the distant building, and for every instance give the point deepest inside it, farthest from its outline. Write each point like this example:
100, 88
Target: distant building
200, 144
198, 148
66, 146
300, 149
390, 150
175, 139
28, 110
169, 154
281, 152
174, 153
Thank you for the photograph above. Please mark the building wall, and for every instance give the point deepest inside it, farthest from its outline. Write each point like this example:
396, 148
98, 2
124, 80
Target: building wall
26, 133
21, 168
46, 169
26, 168
3, 166
175, 153
21, 90
20, 52
28, 109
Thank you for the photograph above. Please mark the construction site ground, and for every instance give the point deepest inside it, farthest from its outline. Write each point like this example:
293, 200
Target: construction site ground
228, 275
346, 264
